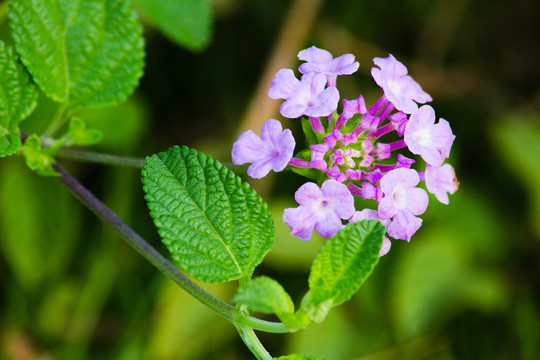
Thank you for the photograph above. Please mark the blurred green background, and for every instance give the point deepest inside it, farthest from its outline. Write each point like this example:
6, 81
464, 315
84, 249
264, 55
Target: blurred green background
466, 287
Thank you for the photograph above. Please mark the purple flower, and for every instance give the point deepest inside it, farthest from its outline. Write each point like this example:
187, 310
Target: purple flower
401, 201
271, 151
399, 88
321, 61
306, 96
320, 208
440, 181
429, 140
369, 214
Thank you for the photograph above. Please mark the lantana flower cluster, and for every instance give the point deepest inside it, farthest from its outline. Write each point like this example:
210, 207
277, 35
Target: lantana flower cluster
347, 155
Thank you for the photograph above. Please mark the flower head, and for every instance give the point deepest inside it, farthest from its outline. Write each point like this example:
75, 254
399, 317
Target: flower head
321, 61
399, 88
320, 208
271, 151
401, 201
349, 149
440, 181
306, 96
429, 140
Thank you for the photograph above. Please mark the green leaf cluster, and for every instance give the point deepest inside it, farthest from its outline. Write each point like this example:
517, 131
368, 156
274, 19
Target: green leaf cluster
80, 53
340, 268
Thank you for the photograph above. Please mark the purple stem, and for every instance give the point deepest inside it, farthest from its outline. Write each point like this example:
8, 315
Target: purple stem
316, 124
382, 130
299, 163
386, 111
373, 110
397, 145
355, 190
341, 121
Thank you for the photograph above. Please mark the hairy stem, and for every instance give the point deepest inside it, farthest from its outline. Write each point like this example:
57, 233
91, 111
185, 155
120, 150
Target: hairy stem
57, 121
119, 160
160, 262
253, 343
100, 158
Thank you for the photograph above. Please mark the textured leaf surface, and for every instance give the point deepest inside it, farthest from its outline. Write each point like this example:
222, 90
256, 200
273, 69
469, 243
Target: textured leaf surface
187, 22
215, 226
18, 98
80, 52
265, 295
342, 266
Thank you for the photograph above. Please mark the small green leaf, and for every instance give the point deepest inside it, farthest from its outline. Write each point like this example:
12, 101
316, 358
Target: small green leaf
18, 98
38, 159
79, 52
351, 124
215, 226
342, 266
267, 296
299, 357
264, 295
311, 138
78, 134
186, 22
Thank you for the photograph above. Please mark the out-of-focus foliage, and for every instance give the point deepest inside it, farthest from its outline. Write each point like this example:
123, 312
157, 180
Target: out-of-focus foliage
517, 140
186, 22
465, 287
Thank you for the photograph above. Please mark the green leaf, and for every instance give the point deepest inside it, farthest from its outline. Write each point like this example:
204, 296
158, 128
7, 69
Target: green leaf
18, 98
351, 124
79, 52
265, 295
78, 134
186, 22
311, 138
215, 226
342, 266
38, 159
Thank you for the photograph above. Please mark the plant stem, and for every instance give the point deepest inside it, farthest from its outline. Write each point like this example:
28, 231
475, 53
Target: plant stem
100, 158
119, 160
253, 343
160, 262
57, 121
